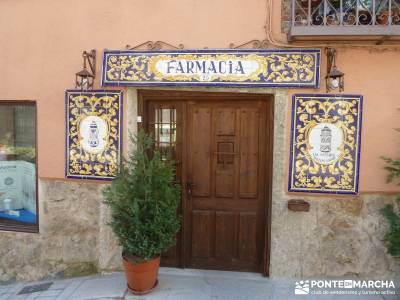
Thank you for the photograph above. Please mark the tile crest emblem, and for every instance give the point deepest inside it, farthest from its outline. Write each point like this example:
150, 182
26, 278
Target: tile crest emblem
325, 143
93, 137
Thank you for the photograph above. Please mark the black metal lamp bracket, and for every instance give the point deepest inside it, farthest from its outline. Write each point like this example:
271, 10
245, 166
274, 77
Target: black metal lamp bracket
90, 58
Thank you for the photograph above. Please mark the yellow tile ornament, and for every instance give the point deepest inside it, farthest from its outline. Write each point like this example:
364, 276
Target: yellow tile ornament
93, 133
281, 68
325, 143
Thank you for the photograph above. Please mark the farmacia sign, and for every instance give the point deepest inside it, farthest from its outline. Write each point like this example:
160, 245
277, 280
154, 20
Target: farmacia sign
253, 68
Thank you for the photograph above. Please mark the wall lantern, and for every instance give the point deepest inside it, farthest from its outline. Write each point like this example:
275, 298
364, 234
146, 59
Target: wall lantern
85, 78
334, 77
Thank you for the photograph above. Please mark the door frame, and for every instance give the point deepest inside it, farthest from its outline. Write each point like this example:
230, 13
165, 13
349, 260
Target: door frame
144, 96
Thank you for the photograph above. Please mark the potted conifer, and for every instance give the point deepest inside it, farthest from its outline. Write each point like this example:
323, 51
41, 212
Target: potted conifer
392, 212
143, 201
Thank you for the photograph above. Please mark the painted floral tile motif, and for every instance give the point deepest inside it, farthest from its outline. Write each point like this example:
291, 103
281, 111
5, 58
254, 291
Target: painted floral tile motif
282, 68
93, 133
325, 143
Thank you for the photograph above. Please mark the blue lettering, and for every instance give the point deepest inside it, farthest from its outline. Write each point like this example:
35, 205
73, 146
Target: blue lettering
239, 68
212, 68
200, 67
180, 67
190, 66
220, 67
169, 67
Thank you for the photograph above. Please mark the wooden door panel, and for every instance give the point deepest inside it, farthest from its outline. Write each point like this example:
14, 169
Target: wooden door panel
225, 121
223, 204
230, 198
249, 153
202, 222
224, 182
248, 236
225, 151
225, 235
201, 152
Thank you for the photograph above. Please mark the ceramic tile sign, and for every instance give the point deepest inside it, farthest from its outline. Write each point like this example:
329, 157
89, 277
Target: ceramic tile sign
243, 68
94, 135
325, 143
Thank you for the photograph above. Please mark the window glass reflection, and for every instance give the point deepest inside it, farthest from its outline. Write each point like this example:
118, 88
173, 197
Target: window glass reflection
18, 164
165, 132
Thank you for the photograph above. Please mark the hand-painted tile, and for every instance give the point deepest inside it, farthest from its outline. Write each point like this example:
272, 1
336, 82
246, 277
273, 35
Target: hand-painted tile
93, 133
325, 143
245, 68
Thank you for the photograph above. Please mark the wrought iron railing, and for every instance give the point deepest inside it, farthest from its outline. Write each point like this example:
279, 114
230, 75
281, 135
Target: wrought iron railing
352, 15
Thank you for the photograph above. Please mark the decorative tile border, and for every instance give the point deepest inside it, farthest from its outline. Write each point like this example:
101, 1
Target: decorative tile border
325, 143
281, 68
93, 133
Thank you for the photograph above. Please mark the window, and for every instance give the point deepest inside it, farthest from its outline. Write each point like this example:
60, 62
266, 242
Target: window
163, 123
165, 131
345, 18
18, 176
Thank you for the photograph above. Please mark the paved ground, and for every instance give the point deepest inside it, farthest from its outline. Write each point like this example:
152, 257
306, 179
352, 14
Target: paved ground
173, 284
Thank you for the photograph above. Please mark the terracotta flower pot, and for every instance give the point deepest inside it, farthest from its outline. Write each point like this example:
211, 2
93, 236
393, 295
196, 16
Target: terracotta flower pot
141, 277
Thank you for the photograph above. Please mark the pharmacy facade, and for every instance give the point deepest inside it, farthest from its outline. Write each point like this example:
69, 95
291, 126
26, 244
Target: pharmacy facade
275, 120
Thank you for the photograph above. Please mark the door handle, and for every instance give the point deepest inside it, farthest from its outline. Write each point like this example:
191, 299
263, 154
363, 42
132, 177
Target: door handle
190, 185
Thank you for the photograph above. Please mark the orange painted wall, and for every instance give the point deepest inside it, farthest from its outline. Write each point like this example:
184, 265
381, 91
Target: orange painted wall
371, 73
41, 43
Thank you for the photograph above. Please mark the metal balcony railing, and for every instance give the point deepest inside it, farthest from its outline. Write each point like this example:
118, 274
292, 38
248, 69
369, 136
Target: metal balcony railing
345, 17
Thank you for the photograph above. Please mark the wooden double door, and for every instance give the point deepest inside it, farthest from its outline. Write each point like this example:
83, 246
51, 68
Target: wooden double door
222, 147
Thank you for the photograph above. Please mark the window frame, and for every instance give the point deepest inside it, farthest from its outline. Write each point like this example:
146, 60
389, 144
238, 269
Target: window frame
15, 226
309, 32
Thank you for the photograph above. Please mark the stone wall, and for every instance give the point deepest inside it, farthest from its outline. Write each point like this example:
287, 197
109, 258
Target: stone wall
338, 236
341, 236
67, 244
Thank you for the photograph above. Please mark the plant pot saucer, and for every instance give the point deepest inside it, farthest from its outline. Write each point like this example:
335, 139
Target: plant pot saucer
142, 292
